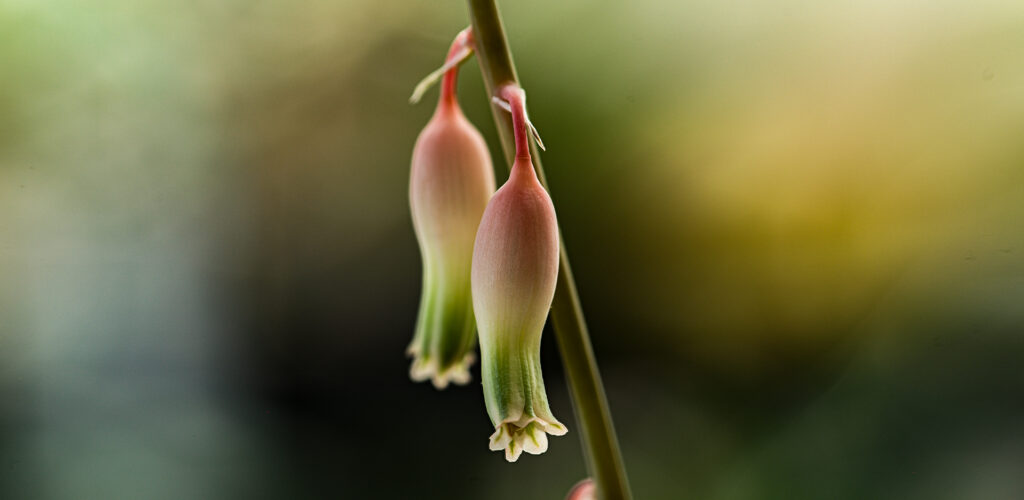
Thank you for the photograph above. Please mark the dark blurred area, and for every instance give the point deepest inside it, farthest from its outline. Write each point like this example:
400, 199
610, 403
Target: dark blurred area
796, 229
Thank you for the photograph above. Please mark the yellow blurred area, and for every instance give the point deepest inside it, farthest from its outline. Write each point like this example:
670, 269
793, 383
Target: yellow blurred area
824, 150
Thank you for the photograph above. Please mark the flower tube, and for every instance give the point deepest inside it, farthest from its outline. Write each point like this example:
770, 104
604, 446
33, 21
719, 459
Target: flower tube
515, 266
451, 180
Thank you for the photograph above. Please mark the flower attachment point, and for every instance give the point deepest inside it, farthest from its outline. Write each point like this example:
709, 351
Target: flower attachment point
461, 51
503, 104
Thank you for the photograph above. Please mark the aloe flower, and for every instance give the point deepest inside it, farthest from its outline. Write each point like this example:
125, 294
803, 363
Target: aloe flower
515, 265
450, 183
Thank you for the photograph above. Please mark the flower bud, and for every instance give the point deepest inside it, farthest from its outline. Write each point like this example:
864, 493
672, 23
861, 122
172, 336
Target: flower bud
583, 490
450, 183
515, 266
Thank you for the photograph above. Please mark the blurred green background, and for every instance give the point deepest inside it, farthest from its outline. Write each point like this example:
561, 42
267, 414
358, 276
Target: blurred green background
797, 229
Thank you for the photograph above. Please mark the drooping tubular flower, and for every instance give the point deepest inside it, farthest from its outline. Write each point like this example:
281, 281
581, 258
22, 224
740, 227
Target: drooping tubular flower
515, 266
451, 181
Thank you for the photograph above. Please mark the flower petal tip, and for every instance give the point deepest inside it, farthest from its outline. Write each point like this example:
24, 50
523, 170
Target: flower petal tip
457, 373
531, 437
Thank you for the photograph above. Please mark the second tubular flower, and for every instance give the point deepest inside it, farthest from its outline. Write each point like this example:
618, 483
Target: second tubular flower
451, 180
515, 267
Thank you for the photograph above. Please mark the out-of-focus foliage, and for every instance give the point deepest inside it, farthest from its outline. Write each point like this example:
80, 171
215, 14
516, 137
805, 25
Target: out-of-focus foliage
796, 227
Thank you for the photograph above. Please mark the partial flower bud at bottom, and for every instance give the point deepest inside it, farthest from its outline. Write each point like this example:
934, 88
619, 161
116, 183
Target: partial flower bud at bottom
583, 490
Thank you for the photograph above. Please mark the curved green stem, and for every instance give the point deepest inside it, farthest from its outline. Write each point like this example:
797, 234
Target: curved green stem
600, 445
